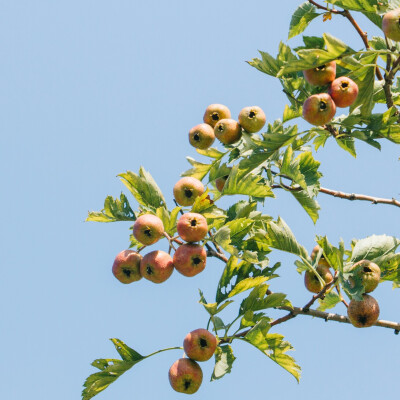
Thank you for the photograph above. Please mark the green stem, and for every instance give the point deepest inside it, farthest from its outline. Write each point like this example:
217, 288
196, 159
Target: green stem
160, 351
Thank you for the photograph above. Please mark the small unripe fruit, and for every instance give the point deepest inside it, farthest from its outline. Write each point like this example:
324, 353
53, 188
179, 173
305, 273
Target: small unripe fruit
220, 182
319, 109
148, 229
126, 267
187, 189
214, 113
312, 282
157, 266
391, 24
321, 75
185, 376
190, 259
368, 272
365, 313
200, 344
343, 91
252, 119
192, 227
201, 136
322, 260
228, 131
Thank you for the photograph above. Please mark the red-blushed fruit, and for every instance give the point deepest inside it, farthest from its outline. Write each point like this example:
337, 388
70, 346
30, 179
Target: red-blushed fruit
190, 259
228, 131
252, 119
364, 313
344, 91
220, 182
126, 267
368, 272
391, 24
312, 282
322, 260
187, 189
185, 376
157, 266
214, 113
321, 75
192, 227
201, 136
319, 109
148, 229
200, 344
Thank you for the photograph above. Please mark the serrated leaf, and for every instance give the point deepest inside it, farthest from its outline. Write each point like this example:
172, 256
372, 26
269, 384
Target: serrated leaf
309, 204
211, 152
246, 284
374, 247
330, 300
212, 308
273, 346
199, 170
360, 5
143, 188
110, 369
241, 182
282, 238
301, 18
347, 143
224, 359
291, 113
114, 210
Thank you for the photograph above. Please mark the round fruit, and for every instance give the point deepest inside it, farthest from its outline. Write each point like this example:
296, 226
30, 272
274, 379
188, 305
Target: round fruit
312, 282
190, 259
343, 91
391, 24
321, 75
126, 267
192, 227
200, 344
187, 189
368, 272
148, 229
185, 376
201, 136
228, 131
364, 313
319, 109
157, 266
214, 113
252, 119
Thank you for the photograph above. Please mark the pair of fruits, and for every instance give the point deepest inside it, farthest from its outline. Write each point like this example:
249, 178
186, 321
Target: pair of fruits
320, 108
362, 313
185, 374
219, 124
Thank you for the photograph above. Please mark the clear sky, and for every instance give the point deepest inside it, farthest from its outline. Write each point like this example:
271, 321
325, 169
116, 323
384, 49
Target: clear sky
89, 89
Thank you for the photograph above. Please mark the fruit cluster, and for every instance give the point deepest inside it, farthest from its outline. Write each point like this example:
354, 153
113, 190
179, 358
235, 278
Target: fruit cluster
157, 266
319, 109
363, 313
219, 124
185, 374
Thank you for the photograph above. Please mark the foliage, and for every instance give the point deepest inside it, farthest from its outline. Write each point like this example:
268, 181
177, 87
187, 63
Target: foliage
280, 158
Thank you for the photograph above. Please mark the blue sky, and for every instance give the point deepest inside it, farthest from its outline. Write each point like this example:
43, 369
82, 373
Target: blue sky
90, 89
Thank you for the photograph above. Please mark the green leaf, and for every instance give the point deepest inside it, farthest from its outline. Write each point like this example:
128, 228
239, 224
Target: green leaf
211, 152
365, 78
281, 237
347, 143
240, 182
330, 300
114, 210
259, 300
360, 5
236, 272
304, 14
224, 359
212, 308
144, 188
309, 204
273, 346
291, 113
374, 247
199, 170
246, 284
111, 369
